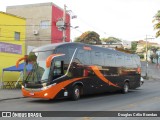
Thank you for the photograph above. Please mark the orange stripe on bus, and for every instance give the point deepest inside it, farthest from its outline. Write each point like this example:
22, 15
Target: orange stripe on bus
101, 76
52, 92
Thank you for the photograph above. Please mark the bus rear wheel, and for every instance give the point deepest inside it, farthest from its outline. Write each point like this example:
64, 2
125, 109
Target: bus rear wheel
75, 93
125, 88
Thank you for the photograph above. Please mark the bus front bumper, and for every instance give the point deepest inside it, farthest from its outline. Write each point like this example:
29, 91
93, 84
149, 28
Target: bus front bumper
48, 93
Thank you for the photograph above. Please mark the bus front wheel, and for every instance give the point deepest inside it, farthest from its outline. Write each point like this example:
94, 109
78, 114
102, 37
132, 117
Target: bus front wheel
75, 93
125, 88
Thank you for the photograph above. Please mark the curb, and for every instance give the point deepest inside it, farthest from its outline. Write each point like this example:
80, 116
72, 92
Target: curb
11, 98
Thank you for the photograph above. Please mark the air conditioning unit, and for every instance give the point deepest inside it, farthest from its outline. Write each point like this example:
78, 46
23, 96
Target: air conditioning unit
35, 32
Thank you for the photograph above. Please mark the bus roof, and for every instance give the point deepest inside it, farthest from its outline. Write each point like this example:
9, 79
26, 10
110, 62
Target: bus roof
53, 46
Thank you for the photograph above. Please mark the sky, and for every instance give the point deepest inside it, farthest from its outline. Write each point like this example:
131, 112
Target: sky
125, 19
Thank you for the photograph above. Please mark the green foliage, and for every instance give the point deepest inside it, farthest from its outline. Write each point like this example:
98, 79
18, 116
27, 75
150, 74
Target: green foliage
32, 57
111, 40
134, 46
152, 48
158, 14
141, 56
89, 37
157, 24
77, 39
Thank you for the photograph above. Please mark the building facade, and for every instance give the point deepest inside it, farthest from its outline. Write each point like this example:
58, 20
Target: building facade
41, 22
12, 42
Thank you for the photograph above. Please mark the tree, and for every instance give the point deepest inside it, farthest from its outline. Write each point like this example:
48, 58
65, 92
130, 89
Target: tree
77, 39
150, 47
111, 40
154, 49
157, 23
89, 37
134, 46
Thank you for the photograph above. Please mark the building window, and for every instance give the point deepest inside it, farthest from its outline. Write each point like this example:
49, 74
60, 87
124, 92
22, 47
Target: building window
44, 24
17, 35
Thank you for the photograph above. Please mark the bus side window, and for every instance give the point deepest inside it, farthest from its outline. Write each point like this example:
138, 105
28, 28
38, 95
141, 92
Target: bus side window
97, 58
80, 56
134, 62
109, 60
119, 61
83, 56
128, 61
58, 69
86, 58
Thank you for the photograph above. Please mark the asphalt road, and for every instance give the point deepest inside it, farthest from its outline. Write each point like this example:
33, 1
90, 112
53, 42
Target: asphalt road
145, 98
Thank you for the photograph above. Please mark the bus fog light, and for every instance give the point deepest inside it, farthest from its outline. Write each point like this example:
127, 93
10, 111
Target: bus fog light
45, 94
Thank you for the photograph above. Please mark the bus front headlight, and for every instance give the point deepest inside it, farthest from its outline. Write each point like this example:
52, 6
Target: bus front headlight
46, 87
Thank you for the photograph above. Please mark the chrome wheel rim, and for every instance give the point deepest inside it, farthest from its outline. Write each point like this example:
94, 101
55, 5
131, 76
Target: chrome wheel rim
126, 88
77, 93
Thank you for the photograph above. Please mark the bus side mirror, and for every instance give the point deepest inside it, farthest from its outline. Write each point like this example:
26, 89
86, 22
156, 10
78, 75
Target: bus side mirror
25, 58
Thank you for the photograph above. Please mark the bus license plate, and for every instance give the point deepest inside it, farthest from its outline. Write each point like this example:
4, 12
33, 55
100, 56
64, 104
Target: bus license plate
31, 93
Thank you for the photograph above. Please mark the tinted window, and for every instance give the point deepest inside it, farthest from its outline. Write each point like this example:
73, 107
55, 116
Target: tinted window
134, 64
71, 51
79, 56
97, 58
86, 57
109, 60
137, 60
83, 56
128, 61
58, 68
64, 50
120, 60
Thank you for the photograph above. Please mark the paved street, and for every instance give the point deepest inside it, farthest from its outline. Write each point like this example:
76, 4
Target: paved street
145, 98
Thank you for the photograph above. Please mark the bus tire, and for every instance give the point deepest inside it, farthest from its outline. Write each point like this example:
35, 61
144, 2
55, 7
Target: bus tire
125, 88
75, 93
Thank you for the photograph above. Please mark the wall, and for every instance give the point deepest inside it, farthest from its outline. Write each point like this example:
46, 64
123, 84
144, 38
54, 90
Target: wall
34, 14
11, 49
57, 36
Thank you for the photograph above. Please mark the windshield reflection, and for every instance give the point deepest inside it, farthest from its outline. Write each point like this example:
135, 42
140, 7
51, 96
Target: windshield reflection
39, 72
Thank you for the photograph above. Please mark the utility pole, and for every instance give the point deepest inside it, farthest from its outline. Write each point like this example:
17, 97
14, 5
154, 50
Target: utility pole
147, 54
64, 20
146, 57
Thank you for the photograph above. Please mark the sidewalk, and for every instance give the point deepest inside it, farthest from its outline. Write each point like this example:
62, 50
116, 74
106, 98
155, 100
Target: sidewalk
153, 70
6, 94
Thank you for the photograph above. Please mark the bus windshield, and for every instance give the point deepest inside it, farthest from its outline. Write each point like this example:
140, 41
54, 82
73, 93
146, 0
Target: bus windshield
39, 72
